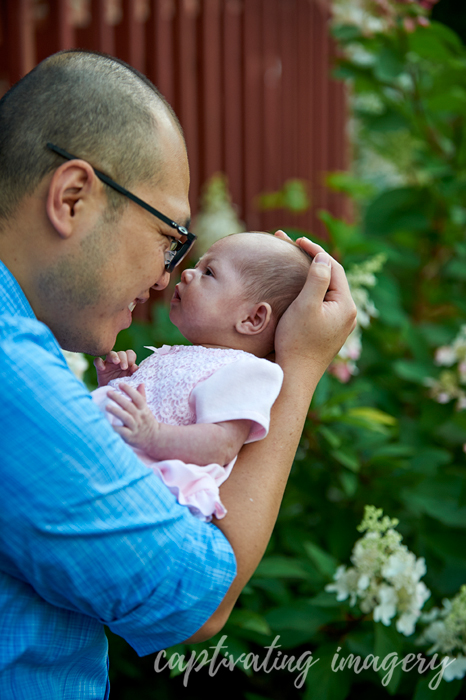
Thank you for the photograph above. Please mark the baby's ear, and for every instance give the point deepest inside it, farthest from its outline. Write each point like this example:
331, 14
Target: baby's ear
257, 319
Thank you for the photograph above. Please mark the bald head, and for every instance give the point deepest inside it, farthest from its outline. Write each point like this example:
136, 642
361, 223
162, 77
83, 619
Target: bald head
95, 107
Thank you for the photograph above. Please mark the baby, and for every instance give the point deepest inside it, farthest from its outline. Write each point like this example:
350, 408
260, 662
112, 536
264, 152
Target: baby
187, 410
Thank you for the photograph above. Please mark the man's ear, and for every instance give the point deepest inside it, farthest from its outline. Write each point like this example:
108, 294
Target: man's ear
257, 319
70, 185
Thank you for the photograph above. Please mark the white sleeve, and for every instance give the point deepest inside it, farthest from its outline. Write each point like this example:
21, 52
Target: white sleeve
244, 389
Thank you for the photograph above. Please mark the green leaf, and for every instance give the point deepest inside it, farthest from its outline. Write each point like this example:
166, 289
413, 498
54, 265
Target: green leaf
368, 418
245, 619
346, 32
324, 562
395, 210
347, 459
433, 44
439, 498
412, 371
280, 567
299, 624
325, 600
388, 65
322, 682
389, 641
342, 181
445, 691
330, 436
349, 483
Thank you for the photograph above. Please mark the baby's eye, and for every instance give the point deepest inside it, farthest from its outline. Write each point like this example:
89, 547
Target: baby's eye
208, 272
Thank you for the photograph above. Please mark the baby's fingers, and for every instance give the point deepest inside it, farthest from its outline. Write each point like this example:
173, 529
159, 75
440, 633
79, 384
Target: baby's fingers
99, 364
137, 396
124, 416
124, 403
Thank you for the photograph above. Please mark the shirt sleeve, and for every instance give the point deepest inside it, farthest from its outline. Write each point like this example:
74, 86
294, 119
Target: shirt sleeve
244, 389
83, 521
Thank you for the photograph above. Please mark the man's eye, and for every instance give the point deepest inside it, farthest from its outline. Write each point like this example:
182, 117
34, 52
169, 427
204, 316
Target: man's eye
173, 245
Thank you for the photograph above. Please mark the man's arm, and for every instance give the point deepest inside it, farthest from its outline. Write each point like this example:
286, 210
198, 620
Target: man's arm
308, 336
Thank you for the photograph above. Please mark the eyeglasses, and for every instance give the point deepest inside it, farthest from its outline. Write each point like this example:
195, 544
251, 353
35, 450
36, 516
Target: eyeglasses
179, 247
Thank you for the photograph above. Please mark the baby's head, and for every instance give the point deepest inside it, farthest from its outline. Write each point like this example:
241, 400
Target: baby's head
238, 291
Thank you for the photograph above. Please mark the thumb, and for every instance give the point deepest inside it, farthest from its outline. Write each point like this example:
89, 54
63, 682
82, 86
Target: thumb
320, 272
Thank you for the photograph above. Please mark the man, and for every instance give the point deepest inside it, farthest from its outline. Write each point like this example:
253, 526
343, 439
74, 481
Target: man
88, 535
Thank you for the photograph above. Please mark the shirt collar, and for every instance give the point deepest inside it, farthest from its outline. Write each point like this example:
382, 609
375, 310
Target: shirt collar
12, 298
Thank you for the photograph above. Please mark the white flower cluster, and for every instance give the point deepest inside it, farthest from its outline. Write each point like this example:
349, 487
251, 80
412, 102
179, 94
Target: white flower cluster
380, 16
360, 277
357, 13
76, 362
451, 384
447, 633
217, 217
385, 578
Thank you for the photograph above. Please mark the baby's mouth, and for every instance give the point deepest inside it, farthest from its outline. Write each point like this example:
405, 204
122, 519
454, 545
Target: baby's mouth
176, 294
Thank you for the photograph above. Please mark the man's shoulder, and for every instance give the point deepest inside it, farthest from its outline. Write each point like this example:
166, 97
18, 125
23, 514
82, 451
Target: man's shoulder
17, 332
27, 346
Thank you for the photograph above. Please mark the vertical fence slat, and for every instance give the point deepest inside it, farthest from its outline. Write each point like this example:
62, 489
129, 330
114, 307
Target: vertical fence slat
161, 63
211, 90
55, 32
272, 127
187, 88
320, 58
291, 138
252, 111
130, 34
233, 98
20, 38
102, 30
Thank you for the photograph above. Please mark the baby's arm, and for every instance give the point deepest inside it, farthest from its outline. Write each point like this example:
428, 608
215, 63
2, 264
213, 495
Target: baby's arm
201, 443
116, 365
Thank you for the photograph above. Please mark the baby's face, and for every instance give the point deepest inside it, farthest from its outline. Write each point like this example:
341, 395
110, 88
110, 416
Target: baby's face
209, 299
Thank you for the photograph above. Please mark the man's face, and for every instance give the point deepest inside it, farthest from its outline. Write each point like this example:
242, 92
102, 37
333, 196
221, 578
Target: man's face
94, 291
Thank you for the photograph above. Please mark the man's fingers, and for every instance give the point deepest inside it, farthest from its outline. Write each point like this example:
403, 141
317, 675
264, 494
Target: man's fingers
281, 234
318, 280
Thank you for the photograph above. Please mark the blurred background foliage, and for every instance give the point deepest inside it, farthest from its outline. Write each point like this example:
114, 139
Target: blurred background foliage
380, 437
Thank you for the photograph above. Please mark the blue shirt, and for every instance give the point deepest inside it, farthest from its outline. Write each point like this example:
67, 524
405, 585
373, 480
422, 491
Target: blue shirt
88, 535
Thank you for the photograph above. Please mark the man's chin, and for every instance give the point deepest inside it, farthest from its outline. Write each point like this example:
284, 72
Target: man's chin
95, 347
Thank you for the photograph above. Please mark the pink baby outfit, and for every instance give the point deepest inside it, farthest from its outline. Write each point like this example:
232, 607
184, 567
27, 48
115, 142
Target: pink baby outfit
192, 384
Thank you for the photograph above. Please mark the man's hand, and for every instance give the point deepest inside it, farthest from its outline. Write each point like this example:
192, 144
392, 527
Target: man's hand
116, 365
139, 427
317, 323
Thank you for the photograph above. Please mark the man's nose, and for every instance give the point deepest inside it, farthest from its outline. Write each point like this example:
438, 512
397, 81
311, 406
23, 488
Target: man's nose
187, 275
162, 282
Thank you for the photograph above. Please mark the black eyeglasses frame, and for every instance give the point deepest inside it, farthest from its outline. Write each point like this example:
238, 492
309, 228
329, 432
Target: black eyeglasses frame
173, 257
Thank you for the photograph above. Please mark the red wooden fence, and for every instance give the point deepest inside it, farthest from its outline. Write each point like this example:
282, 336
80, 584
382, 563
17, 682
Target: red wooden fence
249, 80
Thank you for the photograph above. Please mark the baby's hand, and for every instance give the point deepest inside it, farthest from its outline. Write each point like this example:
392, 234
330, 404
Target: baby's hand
116, 365
139, 427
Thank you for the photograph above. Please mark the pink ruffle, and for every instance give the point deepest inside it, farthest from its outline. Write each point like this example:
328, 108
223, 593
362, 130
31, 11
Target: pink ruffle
194, 486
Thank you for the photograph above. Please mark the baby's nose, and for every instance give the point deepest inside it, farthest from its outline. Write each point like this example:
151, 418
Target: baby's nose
187, 276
